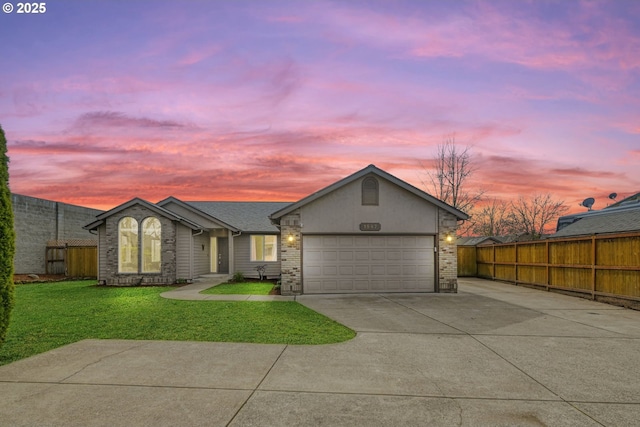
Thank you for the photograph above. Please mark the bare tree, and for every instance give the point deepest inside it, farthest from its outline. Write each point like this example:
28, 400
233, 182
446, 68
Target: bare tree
449, 176
491, 220
532, 216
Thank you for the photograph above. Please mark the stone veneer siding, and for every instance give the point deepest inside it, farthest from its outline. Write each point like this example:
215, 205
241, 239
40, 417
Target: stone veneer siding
110, 274
291, 259
447, 253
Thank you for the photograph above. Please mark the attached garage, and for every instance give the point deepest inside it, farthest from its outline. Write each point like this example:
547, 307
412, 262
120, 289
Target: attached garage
368, 264
368, 233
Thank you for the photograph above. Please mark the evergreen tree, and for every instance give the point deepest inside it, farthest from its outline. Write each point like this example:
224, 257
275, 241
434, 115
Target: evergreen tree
7, 241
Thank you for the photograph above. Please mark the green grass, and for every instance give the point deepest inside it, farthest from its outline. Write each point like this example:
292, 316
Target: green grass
49, 315
243, 288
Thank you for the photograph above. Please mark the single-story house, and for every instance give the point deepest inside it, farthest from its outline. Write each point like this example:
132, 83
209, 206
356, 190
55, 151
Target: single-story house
369, 232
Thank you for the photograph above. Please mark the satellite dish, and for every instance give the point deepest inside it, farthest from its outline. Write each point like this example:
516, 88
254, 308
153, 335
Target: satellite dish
613, 196
587, 203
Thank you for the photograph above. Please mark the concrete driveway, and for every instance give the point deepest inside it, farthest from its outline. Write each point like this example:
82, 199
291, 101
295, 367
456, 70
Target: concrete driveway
493, 354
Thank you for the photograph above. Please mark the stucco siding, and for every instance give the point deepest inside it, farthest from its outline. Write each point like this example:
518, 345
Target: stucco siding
243, 263
341, 211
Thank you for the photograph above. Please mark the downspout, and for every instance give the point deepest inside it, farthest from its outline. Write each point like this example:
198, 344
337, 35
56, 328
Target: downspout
437, 251
191, 274
232, 246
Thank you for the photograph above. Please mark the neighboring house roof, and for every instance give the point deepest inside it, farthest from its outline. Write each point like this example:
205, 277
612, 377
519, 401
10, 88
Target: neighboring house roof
477, 240
137, 201
371, 169
603, 221
245, 216
626, 201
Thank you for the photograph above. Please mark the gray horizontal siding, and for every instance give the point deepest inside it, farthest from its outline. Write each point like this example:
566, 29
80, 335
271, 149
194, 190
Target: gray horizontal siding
201, 254
183, 250
244, 265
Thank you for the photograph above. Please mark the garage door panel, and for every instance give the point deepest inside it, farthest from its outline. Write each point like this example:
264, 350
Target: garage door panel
394, 255
346, 256
361, 285
345, 285
367, 263
409, 270
329, 270
313, 256
378, 270
345, 270
394, 242
330, 255
362, 270
394, 270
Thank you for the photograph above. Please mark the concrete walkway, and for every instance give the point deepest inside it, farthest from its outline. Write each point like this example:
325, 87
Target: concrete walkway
192, 291
492, 355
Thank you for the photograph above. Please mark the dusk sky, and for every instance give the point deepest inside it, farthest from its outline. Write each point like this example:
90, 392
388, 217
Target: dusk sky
103, 101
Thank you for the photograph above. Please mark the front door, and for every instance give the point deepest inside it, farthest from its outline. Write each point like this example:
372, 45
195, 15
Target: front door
223, 255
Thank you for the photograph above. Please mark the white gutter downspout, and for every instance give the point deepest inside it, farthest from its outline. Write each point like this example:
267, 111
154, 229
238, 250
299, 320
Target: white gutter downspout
232, 258
191, 253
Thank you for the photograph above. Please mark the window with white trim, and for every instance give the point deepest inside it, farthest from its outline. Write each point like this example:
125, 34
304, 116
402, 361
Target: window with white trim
151, 243
264, 248
128, 245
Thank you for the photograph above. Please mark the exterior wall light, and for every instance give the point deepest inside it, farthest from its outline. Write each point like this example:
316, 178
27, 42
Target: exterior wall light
290, 238
449, 238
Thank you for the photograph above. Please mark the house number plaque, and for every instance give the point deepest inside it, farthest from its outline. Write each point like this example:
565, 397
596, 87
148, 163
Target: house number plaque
370, 226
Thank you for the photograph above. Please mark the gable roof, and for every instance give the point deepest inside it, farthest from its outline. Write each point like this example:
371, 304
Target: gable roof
137, 201
197, 211
603, 221
245, 216
371, 169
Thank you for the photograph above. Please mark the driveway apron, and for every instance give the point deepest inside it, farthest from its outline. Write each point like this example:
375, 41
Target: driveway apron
494, 354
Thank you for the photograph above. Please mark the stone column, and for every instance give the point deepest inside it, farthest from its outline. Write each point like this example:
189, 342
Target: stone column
290, 254
447, 252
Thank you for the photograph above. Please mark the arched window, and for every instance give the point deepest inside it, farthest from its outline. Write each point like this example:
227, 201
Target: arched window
128, 245
151, 244
370, 191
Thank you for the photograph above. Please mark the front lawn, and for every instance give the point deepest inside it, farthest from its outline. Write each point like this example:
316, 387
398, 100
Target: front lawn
242, 288
49, 315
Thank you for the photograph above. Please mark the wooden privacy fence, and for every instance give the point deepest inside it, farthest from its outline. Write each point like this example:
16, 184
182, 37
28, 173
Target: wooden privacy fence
599, 265
73, 258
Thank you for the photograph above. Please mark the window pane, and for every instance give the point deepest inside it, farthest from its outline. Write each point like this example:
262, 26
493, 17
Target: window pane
128, 245
151, 245
264, 248
270, 248
257, 246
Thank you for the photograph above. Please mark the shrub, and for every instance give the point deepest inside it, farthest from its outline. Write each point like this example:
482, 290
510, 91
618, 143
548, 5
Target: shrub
238, 277
7, 241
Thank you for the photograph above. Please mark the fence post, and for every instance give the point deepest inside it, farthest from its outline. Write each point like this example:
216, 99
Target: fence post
593, 267
546, 261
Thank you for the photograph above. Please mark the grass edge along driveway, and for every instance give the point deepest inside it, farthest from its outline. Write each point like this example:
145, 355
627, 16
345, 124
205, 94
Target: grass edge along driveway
50, 315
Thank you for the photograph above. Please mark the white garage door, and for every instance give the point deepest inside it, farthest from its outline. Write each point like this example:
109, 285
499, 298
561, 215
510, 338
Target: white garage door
361, 264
